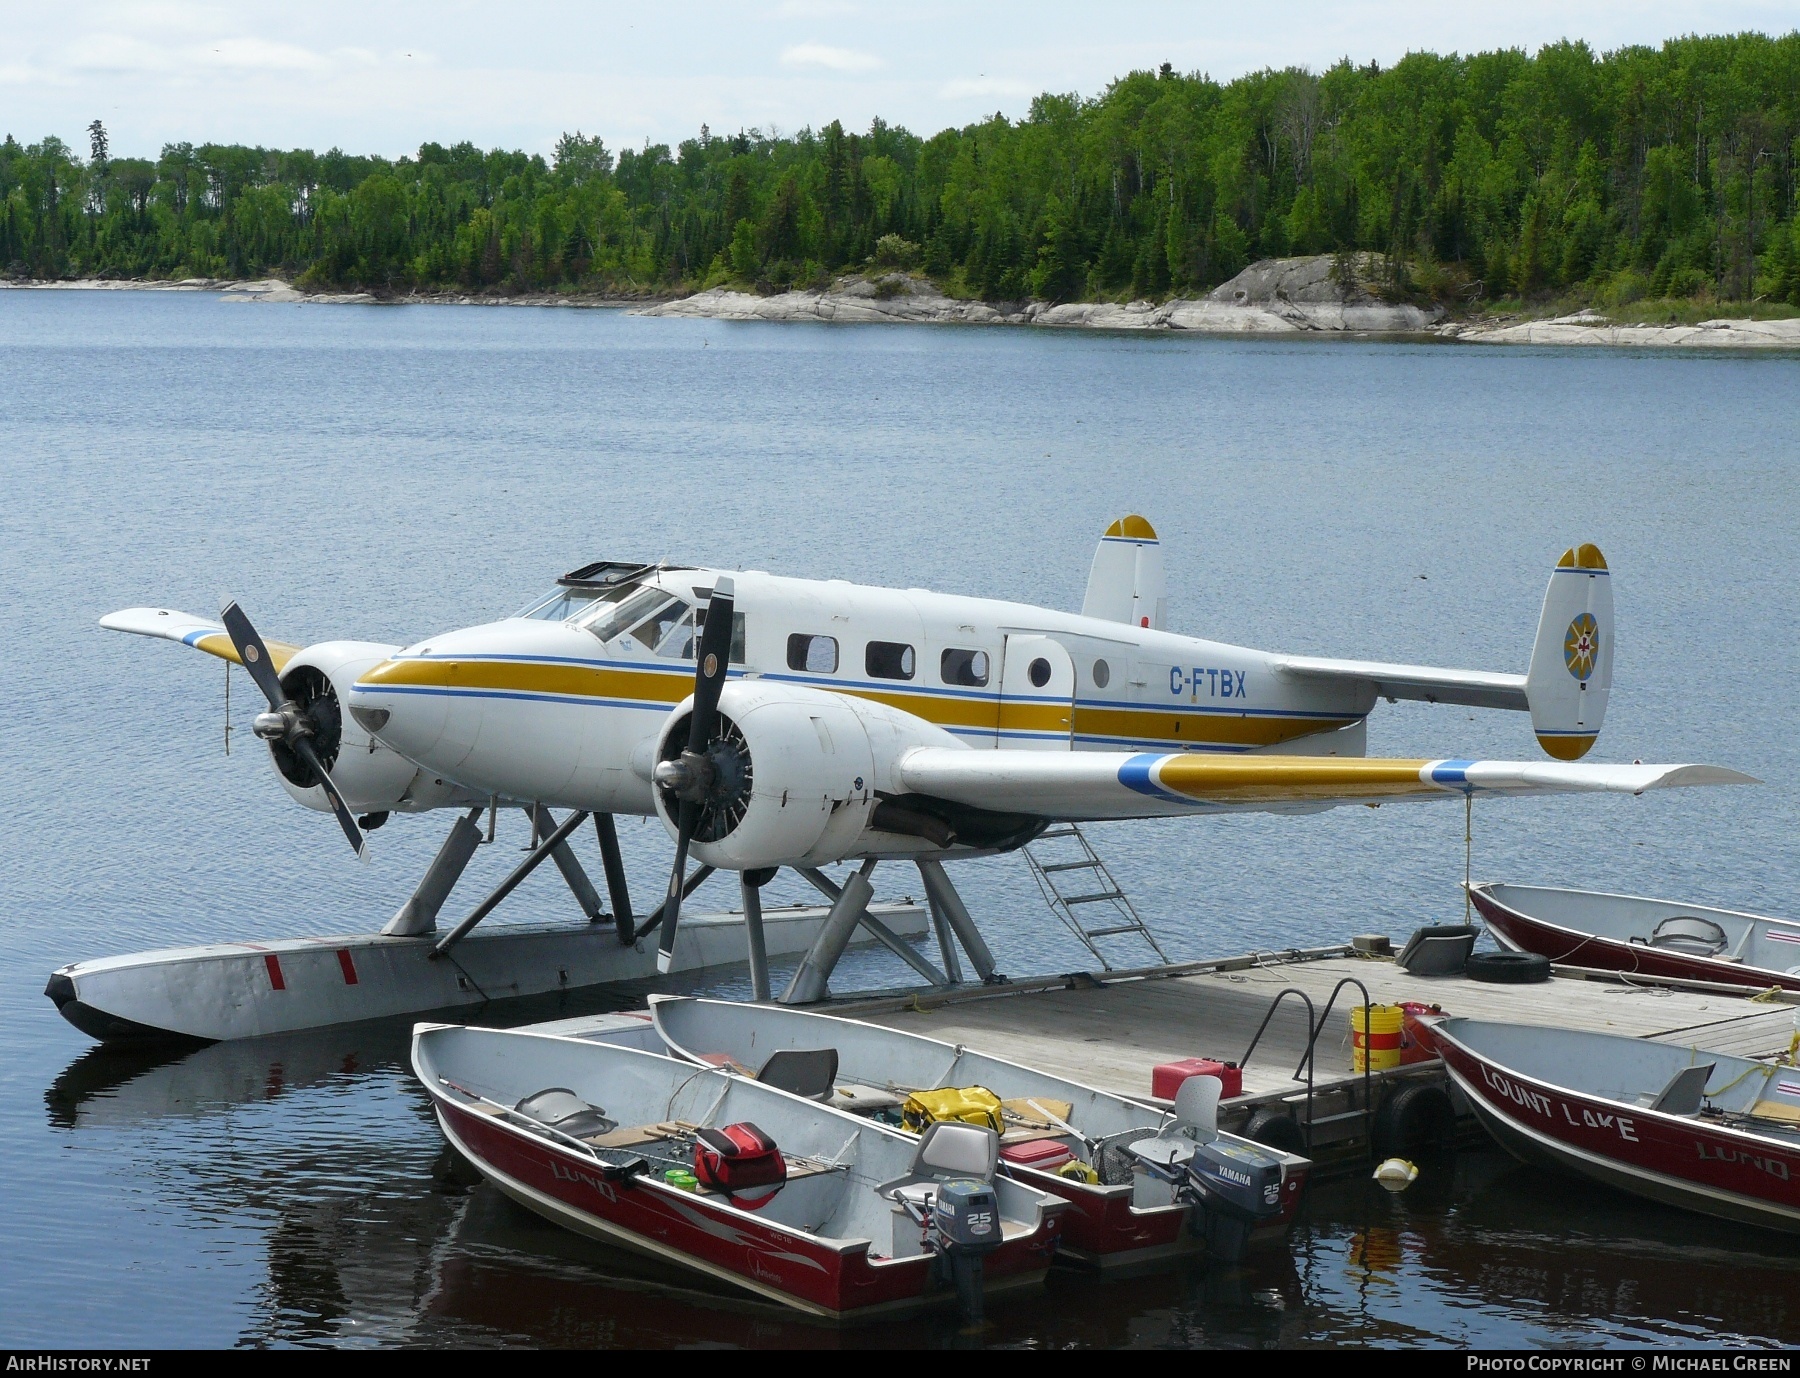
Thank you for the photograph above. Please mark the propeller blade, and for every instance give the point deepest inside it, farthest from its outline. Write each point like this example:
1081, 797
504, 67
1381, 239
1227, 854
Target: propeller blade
686, 820
253, 653
712, 657
303, 748
710, 663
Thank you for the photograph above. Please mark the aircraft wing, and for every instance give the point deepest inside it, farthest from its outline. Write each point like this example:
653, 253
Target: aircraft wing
203, 634
1082, 785
1473, 688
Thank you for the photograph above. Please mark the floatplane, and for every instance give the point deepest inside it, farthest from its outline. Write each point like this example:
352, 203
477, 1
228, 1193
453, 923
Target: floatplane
776, 722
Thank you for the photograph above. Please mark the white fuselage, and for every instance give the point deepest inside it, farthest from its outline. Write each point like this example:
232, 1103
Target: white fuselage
564, 707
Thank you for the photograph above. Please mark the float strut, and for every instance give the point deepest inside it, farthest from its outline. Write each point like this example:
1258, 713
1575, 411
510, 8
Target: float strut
882, 933
511, 883
946, 941
809, 983
751, 883
614, 865
947, 907
419, 914
542, 823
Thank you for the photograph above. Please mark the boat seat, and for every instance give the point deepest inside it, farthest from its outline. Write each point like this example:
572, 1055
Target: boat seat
1685, 1093
1195, 1122
1690, 936
808, 1072
562, 1110
948, 1148
1440, 950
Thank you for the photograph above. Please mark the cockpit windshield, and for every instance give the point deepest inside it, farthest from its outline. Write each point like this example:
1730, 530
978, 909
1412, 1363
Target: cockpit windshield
563, 603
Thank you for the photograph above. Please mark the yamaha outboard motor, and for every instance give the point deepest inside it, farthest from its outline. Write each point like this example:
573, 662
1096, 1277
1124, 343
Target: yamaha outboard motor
1232, 1184
966, 1216
1238, 1185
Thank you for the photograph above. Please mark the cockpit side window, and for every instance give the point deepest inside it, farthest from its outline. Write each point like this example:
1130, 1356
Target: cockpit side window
609, 619
736, 655
669, 631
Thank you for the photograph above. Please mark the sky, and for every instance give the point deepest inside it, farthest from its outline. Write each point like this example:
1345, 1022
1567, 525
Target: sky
383, 76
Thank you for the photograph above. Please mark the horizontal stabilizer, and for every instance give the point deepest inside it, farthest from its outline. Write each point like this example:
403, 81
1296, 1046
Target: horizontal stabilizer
202, 633
1471, 688
1099, 785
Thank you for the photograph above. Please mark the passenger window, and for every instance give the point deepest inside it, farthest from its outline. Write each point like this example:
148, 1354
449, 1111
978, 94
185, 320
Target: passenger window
888, 660
817, 654
1102, 674
965, 667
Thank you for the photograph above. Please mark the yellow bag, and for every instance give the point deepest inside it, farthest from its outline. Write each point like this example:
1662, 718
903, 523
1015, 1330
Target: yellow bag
970, 1104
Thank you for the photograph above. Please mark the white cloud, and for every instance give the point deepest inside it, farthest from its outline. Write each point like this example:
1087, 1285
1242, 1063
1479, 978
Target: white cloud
258, 54
986, 86
833, 59
115, 53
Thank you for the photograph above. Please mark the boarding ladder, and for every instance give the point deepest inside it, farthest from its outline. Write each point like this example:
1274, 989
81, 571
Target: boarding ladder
1072, 877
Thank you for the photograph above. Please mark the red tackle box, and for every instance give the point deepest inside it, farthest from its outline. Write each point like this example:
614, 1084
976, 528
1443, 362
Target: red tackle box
1044, 1154
1166, 1078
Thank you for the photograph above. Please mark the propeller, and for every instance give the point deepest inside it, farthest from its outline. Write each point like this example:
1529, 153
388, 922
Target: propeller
709, 761
285, 723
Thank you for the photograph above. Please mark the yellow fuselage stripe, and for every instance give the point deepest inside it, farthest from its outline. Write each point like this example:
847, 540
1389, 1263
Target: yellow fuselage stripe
654, 688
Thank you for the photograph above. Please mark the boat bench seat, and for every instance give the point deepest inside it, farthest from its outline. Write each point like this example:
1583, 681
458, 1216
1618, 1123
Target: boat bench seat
630, 1136
1685, 1093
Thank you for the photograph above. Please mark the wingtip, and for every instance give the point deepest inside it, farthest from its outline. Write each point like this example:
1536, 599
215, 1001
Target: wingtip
1676, 776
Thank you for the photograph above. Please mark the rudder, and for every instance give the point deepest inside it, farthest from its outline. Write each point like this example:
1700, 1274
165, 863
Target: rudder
1571, 661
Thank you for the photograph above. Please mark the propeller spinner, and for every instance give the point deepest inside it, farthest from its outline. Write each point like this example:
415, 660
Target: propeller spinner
712, 775
285, 723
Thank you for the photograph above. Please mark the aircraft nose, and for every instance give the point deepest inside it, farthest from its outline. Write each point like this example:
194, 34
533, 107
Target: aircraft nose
399, 702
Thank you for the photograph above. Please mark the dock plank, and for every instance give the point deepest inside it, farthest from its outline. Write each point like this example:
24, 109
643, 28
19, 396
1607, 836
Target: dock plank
1112, 1036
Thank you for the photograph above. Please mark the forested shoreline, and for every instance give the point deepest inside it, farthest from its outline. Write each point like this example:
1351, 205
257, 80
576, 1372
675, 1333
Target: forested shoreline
1643, 174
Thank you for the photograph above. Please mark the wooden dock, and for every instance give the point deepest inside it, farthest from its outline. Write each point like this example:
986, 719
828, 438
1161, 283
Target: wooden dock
1109, 1032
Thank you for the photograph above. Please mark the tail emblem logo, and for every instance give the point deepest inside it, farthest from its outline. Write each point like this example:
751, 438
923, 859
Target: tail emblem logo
1581, 645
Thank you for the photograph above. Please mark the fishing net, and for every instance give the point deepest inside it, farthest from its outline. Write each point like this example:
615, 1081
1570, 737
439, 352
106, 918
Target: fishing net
1112, 1158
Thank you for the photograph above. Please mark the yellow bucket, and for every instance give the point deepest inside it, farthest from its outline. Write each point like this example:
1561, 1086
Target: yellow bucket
1381, 1047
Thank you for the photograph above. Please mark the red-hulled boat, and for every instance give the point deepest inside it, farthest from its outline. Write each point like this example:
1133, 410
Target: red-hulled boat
1705, 1131
1120, 1214
600, 1139
1640, 936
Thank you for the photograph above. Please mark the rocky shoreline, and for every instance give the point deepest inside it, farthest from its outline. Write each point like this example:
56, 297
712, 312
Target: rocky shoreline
1274, 297
1290, 296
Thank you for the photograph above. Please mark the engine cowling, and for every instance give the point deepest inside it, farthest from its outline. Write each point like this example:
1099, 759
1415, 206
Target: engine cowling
373, 778
798, 774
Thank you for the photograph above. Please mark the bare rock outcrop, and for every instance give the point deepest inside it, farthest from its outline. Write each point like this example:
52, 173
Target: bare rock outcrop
1275, 297
1593, 328
896, 297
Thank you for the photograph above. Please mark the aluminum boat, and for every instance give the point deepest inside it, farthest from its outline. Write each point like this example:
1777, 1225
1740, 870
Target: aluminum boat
1701, 1130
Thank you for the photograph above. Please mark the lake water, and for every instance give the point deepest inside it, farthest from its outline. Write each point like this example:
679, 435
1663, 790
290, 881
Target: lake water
390, 472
